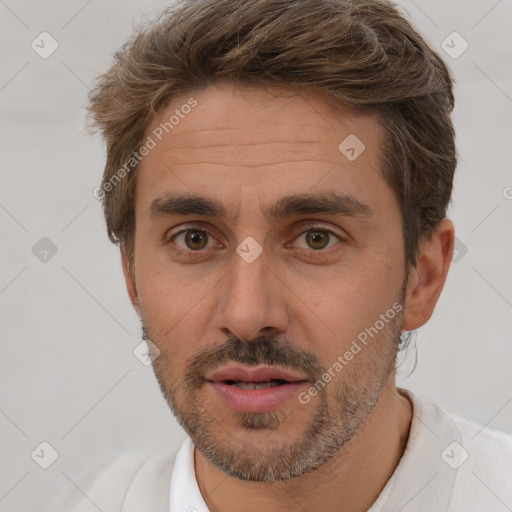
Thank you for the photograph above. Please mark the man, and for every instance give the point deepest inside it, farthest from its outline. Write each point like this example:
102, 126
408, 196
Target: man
277, 178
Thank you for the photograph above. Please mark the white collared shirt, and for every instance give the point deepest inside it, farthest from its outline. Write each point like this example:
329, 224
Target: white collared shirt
449, 465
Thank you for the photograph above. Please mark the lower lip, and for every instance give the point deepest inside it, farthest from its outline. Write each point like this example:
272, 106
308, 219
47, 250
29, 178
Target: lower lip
256, 400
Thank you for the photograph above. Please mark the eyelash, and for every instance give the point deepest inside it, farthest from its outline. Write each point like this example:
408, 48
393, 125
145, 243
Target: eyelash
200, 253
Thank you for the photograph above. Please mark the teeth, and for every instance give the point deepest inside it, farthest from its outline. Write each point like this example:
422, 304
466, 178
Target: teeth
257, 385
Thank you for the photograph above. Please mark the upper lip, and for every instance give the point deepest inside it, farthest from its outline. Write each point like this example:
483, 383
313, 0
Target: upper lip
260, 374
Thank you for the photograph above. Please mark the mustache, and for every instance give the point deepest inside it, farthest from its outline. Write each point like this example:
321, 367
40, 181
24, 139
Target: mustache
260, 350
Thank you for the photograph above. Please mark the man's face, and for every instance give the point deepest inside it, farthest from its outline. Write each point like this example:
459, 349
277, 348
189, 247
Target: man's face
208, 298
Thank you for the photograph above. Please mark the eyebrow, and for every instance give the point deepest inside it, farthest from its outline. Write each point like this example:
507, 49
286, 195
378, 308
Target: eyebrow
327, 203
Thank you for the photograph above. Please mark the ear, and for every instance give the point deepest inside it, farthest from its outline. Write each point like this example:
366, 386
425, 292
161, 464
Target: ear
427, 278
130, 282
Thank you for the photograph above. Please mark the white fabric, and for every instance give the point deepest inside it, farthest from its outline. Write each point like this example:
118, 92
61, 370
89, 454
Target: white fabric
422, 482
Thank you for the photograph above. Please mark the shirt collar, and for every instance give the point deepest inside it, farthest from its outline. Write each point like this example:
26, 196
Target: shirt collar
424, 480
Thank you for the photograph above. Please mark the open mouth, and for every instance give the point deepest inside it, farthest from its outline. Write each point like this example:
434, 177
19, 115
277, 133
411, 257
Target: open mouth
255, 396
256, 385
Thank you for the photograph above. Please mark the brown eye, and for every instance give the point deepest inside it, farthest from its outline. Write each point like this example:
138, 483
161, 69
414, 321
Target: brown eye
318, 239
194, 239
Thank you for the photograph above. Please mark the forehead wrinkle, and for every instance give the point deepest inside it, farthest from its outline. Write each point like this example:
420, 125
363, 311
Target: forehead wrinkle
295, 130
251, 155
200, 146
239, 166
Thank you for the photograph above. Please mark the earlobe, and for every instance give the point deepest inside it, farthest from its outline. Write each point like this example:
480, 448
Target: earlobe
427, 279
130, 282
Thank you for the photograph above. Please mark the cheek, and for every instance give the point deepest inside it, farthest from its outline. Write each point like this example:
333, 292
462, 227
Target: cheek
334, 314
176, 311
162, 302
357, 295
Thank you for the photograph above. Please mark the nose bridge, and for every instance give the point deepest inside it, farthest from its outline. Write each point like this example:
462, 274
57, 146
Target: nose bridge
249, 265
248, 302
248, 280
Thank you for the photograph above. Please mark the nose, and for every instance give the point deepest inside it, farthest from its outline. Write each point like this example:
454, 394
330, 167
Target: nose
251, 300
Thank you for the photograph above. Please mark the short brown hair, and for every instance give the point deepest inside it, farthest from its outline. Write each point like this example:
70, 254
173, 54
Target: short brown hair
363, 54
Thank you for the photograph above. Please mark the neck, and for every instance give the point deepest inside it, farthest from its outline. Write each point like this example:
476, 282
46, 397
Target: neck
351, 480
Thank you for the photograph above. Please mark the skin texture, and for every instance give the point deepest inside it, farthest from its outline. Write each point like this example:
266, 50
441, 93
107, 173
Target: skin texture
300, 304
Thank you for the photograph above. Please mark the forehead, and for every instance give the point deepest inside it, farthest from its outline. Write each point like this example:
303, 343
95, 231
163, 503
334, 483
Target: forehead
275, 114
278, 142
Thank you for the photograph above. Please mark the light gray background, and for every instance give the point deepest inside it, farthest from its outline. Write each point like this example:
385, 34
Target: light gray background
68, 375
